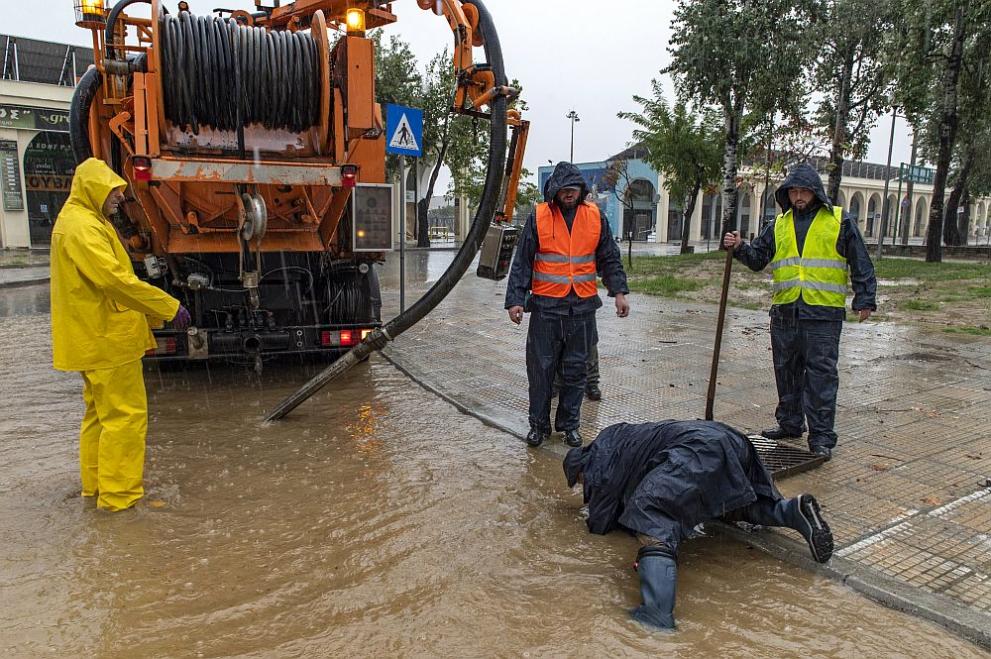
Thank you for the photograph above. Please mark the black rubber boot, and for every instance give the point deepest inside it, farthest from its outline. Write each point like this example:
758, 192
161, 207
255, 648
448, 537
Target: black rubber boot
780, 433
572, 438
658, 581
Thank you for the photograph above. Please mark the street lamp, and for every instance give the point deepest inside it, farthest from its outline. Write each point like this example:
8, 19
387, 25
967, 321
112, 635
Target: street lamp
574, 117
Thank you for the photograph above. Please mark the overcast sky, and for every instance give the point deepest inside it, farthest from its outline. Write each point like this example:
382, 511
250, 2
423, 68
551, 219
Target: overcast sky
585, 55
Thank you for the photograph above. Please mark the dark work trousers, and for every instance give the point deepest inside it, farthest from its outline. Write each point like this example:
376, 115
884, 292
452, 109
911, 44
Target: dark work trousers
591, 364
805, 367
554, 342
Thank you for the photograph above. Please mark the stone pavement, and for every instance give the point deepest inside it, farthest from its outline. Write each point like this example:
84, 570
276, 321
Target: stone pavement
907, 493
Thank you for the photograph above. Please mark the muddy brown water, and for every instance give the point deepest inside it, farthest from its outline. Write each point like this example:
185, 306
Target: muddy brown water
375, 521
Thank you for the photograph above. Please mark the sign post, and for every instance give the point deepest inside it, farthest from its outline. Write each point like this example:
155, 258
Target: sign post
403, 137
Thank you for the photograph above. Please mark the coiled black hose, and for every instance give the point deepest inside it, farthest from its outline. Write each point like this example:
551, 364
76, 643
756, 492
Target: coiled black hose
217, 72
486, 211
82, 99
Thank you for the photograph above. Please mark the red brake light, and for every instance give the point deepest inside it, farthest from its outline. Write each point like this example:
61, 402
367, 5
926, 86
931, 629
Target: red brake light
347, 338
166, 346
349, 175
142, 169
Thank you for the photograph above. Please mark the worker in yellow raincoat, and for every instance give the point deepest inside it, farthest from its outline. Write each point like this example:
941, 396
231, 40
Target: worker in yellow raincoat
100, 327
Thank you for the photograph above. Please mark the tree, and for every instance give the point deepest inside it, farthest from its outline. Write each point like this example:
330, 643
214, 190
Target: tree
740, 55
617, 176
527, 197
397, 79
437, 100
851, 71
935, 48
683, 145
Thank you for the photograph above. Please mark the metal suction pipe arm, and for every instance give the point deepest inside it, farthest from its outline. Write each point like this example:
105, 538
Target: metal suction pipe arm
378, 339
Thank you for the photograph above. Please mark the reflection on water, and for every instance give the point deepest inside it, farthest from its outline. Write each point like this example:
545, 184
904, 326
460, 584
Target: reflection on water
374, 521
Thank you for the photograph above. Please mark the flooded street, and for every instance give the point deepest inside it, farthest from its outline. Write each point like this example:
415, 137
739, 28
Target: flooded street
376, 520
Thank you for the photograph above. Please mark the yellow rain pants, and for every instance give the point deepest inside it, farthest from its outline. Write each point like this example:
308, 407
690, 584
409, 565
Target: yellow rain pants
101, 326
112, 438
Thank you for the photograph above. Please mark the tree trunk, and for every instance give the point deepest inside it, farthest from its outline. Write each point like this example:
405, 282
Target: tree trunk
965, 216
424, 205
956, 195
838, 146
733, 120
689, 210
947, 136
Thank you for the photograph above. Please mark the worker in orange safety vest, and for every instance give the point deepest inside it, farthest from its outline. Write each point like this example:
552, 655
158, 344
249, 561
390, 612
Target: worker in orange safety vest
562, 247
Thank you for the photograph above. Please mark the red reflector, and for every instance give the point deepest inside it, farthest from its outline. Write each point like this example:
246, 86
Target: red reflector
325, 339
166, 346
349, 176
348, 338
142, 169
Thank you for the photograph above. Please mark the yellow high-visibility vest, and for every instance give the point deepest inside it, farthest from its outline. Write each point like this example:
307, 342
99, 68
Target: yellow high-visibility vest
819, 274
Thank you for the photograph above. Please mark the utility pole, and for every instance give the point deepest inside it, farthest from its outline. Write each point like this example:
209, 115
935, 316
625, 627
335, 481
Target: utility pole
574, 117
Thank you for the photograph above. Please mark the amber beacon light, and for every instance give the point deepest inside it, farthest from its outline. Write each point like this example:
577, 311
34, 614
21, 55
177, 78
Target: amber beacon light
355, 19
89, 14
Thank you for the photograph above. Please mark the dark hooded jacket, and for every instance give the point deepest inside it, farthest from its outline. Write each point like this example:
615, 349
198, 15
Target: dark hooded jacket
638, 476
850, 245
608, 261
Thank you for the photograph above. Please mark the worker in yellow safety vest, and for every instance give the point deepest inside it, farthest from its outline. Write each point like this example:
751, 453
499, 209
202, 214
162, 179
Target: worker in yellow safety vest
100, 327
812, 250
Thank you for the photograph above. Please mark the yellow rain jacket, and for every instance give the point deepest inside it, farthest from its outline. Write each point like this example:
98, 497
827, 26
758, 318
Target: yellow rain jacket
100, 309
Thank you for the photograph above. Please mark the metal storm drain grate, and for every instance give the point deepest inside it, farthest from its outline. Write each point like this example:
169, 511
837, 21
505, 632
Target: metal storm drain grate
783, 460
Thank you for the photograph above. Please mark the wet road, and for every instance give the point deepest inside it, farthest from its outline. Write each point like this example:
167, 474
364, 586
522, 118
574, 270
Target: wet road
375, 521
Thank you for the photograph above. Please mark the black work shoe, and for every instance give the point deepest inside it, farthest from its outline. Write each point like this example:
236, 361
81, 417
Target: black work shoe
779, 433
592, 392
572, 438
535, 437
824, 451
814, 528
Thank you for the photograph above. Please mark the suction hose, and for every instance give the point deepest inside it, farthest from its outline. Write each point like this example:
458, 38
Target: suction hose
378, 339
82, 100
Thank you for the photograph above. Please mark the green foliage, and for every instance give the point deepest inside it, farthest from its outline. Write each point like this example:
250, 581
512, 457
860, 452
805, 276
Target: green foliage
972, 330
397, 79
739, 54
920, 305
893, 268
685, 146
742, 56
665, 285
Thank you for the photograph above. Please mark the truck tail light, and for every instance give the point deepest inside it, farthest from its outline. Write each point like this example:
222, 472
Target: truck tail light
142, 169
166, 346
343, 338
349, 176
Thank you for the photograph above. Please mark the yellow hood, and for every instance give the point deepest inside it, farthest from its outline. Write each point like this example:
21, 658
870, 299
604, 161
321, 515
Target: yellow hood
92, 183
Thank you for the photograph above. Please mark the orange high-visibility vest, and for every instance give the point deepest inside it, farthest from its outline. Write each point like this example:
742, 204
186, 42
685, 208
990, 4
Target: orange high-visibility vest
566, 259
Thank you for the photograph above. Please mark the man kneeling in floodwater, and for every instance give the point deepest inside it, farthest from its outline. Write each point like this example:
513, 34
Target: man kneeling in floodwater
660, 480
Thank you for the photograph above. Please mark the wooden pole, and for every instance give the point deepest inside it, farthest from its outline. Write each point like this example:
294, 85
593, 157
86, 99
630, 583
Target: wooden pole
710, 397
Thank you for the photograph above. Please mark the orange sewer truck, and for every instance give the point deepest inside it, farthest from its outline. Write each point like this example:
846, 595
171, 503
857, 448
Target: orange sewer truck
254, 152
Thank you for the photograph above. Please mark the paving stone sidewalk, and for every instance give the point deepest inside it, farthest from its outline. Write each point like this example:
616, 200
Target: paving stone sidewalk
907, 492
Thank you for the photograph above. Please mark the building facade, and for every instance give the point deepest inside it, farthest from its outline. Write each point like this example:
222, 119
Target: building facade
636, 201
36, 161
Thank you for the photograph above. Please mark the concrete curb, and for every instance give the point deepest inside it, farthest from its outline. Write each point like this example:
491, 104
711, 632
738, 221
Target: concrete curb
969, 624
26, 282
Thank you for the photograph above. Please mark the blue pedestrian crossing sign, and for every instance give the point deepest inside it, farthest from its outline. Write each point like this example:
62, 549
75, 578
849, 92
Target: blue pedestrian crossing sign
403, 130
